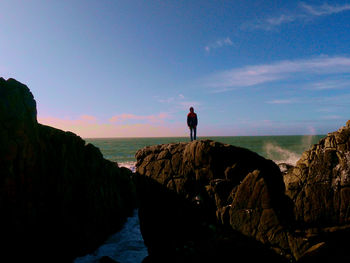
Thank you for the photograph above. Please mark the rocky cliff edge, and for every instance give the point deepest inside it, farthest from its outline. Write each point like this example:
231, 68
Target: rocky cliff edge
206, 200
59, 198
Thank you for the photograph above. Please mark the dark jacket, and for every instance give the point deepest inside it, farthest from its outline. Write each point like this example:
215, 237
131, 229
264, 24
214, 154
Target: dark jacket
192, 120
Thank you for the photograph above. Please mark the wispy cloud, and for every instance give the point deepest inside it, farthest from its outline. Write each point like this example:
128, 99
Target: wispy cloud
276, 21
304, 12
339, 101
329, 106
282, 70
281, 101
148, 118
330, 85
179, 102
332, 117
218, 44
271, 23
324, 9
326, 110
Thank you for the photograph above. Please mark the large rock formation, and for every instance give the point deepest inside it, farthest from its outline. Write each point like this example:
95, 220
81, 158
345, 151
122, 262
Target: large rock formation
59, 198
319, 186
322, 178
206, 200
217, 185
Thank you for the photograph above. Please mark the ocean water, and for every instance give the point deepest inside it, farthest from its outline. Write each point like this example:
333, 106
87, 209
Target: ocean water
127, 245
278, 148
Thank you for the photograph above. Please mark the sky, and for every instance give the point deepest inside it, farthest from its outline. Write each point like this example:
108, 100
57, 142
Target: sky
132, 68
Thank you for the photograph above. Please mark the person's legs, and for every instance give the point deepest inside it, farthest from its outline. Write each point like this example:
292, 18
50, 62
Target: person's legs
191, 134
195, 133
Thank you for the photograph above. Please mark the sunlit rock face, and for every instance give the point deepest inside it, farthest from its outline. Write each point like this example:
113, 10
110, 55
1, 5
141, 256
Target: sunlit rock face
319, 184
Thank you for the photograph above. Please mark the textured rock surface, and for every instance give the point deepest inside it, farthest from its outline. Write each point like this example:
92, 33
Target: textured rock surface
209, 199
58, 197
231, 186
319, 184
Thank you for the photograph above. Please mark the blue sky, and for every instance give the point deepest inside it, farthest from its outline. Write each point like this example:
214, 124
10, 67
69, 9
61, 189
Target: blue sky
107, 68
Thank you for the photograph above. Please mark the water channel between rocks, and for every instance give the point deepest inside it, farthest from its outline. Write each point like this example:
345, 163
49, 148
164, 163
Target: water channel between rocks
126, 246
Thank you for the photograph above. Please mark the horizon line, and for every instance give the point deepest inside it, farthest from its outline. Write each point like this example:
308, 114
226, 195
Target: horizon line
205, 136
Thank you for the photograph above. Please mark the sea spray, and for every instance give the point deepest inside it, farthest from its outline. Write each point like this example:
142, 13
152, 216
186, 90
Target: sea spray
131, 165
280, 155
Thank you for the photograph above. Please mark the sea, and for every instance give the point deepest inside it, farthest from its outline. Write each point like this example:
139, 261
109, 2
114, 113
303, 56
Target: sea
127, 245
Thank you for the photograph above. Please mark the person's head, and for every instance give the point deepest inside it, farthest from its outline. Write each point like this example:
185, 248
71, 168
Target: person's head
191, 109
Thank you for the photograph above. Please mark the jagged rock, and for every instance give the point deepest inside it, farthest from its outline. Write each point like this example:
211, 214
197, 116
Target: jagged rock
319, 184
59, 198
230, 193
233, 186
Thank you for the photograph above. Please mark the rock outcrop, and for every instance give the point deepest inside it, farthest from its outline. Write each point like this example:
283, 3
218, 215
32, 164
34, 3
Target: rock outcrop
59, 198
206, 200
217, 185
319, 186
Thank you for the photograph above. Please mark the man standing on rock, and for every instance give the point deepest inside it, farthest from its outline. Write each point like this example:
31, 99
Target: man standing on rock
192, 122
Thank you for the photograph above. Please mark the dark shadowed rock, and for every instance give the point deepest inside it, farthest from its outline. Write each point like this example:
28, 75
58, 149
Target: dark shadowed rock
205, 191
206, 200
58, 197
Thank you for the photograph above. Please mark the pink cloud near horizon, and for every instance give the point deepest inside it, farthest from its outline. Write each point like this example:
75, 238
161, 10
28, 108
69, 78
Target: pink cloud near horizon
87, 126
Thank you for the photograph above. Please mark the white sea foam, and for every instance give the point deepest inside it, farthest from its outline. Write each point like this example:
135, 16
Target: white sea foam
130, 165
280, 155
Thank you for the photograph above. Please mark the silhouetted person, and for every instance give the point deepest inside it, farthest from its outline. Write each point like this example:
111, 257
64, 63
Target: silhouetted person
192, 122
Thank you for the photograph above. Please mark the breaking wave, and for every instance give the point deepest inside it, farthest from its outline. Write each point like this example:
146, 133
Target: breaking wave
130, 165
280, 155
